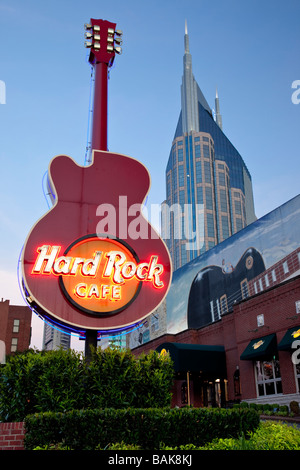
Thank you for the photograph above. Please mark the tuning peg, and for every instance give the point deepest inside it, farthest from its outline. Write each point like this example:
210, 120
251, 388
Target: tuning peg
119, 32
87, 26
96, 45
88, 44
97, 37
110, 48
118, 41
110, 39
118, 50
96, 27
110, 31
88, 35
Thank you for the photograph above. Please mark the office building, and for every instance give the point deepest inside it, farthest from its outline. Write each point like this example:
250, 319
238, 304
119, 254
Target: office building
209, 193
55, 339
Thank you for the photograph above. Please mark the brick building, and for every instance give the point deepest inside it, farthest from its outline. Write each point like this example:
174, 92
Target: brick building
246, 355
15, 328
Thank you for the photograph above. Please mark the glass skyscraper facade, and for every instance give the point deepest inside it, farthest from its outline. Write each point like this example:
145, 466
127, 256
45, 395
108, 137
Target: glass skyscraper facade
208, 186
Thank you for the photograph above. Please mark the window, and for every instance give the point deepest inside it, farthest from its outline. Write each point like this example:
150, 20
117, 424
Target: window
297, 305
14, 344
207, 172
222, 179
16, 326
182, 199
174, 179
268, 377
225, 227
238, 207
238, 224
223, 200
223, 303
273, 275
199, 195
267, 280
244, 289
285, 267
180, 175
198, 172
209, 198
184, 393
180, 154
197, 151
206, 151
210, 225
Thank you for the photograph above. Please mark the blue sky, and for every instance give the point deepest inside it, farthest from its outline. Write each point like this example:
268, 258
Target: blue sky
248, 49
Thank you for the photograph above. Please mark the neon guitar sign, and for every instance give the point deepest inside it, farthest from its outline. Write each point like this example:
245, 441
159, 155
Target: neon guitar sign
82, 279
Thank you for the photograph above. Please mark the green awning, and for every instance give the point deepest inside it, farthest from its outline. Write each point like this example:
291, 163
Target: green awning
197, 358
260, 348
290, 336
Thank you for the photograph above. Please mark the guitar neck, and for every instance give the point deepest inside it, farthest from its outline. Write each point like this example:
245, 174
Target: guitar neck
276, 274
104, 41
99, 127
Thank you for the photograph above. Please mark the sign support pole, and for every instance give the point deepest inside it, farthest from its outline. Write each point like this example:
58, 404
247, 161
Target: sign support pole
99, 142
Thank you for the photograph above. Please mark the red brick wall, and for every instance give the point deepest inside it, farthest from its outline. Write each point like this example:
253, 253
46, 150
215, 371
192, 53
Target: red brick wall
237, 329
12, 436
23, 314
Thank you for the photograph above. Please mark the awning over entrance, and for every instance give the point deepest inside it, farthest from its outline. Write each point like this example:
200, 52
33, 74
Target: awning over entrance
290, 336
197, 358
259, 348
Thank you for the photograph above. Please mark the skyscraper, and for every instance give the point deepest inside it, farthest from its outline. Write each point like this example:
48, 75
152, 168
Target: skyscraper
208, 186
55, 339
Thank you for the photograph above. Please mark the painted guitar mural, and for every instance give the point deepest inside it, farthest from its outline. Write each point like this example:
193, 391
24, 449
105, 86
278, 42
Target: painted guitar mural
93, 262
215, 289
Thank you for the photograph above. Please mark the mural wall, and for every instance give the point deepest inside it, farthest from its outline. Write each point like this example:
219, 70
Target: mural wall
258, 257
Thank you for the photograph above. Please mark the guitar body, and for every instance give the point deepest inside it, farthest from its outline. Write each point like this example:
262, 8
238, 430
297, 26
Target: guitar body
83, 195
215, 288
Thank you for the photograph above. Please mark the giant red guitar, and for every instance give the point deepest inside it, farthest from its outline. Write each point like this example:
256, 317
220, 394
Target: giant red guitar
93, 262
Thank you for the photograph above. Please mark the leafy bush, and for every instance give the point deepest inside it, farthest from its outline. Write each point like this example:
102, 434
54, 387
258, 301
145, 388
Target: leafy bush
272, 436
62, 381
268, 436
147, 428
294, 407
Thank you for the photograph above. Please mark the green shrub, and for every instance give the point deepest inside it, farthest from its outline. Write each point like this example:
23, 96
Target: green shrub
147, 428
244, 404
284, 409
61, 381
275, 436
268, 436
253, 405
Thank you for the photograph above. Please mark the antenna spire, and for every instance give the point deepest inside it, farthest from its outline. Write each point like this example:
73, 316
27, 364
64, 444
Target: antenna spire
186, 39
218, 114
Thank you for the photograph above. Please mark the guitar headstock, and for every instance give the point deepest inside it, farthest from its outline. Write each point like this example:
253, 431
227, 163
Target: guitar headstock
103, 40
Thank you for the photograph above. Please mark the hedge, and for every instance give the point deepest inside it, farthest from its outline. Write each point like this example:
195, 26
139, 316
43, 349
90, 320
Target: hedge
59, 381
148, 428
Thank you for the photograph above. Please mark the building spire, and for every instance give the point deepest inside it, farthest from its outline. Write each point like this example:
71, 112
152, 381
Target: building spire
218, 115
186, 39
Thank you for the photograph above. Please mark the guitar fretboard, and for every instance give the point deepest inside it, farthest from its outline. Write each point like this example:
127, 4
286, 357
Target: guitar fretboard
276, 274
